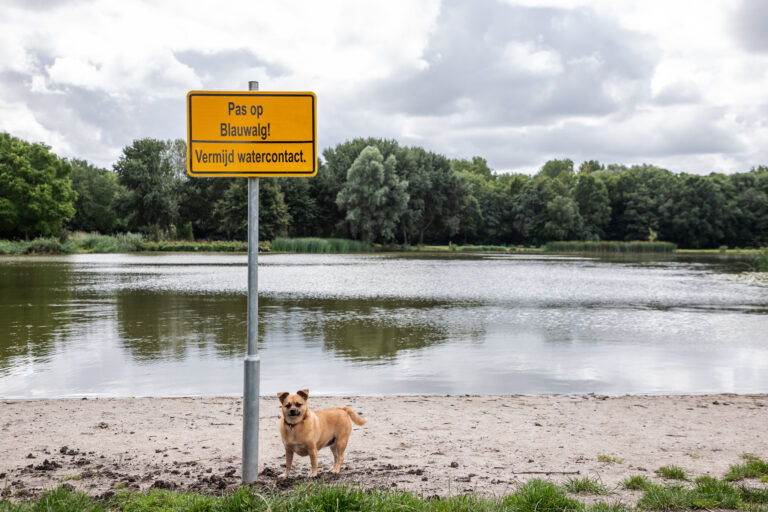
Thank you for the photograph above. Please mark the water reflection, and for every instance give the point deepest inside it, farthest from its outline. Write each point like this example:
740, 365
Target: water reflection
371, 330
36, 310
163, 326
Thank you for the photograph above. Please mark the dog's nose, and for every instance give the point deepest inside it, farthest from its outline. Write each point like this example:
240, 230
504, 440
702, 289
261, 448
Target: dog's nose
293, 412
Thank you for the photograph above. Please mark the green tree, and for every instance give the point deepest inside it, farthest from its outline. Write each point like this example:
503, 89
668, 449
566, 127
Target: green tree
152, 200
332, 175
36, 195
176, 154
563, 221
530, 210
231, 210
302, 208
98, 194
591, 195
477, 165
198, 198
274, 218
748, 209
589, 166
562, 169
436, 195
695, 213
637, 197
373, 197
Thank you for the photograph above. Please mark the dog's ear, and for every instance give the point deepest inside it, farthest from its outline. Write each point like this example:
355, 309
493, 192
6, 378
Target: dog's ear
303, 393
282, 396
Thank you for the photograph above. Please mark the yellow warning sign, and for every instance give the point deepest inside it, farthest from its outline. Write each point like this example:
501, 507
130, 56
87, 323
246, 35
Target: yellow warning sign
251, 134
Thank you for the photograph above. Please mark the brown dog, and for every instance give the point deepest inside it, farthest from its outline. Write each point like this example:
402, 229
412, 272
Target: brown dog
305, 431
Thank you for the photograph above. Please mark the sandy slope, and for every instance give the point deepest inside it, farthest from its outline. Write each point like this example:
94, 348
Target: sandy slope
432, 445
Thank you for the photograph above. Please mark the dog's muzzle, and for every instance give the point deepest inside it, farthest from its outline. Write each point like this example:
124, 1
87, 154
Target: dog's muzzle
293, 412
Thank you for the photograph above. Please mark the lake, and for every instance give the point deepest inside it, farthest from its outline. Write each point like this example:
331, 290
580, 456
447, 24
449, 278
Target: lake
381, 324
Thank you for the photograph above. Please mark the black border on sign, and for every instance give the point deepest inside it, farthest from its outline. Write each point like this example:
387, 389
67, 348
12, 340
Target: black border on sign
212, 174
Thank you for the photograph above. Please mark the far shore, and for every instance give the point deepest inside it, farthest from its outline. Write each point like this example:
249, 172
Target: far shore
432, 445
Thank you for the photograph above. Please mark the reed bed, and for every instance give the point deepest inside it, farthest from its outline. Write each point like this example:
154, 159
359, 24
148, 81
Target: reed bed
74, 243
637, 247
79, 243
185, 246
319, 245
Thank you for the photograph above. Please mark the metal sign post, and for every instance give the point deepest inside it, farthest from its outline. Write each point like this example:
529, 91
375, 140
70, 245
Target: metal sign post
252, 362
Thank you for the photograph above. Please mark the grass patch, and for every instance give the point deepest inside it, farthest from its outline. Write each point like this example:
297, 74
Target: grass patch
63, 498
608, 458
637, 247
585, 485
608, 507
669, 497
636, 483
708, 494
541, 496
535, 496
673, 473
754, 468
320, 245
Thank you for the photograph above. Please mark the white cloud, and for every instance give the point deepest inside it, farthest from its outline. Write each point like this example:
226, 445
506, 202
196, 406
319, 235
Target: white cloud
525, 57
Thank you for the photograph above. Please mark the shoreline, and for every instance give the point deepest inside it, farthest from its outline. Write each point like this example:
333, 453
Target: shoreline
432, 445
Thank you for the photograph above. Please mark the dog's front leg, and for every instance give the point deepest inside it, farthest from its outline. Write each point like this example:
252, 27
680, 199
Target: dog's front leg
288, 461
313, 460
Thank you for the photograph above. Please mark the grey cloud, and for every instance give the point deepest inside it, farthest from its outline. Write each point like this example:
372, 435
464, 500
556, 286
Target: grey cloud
701, 134
225, 70
96, 124
44, 5
468, 67
749, 25
696, 137
678, 93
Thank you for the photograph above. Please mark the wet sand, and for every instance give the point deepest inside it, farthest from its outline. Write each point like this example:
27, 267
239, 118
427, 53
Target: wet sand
433, 445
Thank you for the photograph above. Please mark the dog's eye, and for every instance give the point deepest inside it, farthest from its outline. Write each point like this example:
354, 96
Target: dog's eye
298, 404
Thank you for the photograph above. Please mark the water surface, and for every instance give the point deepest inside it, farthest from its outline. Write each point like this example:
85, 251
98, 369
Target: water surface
167, 325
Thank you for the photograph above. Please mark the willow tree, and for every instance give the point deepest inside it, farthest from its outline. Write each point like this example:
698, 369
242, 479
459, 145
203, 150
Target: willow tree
373, 197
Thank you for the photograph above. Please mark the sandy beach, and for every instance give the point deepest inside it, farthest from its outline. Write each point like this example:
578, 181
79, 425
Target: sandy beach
432, 445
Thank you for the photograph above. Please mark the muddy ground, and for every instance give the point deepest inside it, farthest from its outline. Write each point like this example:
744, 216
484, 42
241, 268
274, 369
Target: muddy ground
430, 445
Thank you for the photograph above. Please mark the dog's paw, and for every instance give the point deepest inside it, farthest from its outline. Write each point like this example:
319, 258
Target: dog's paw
283, 475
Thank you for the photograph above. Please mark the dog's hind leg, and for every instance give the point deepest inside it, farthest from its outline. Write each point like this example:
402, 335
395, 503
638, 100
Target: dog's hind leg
337, 449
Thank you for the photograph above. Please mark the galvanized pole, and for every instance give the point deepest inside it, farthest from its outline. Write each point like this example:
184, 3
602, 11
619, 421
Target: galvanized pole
252, 362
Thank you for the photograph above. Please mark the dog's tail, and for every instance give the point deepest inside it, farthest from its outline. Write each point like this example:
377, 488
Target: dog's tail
355, 417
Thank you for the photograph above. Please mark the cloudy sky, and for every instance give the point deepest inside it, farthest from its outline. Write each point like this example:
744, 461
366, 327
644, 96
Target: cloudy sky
682, 84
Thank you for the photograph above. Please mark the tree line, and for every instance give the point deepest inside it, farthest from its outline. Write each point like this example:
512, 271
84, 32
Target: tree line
376, 190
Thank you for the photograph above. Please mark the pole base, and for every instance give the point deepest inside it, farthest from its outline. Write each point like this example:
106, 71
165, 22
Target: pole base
251, 419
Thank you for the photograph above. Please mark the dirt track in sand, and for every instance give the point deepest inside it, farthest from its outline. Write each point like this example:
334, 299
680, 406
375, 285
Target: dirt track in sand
430, 445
